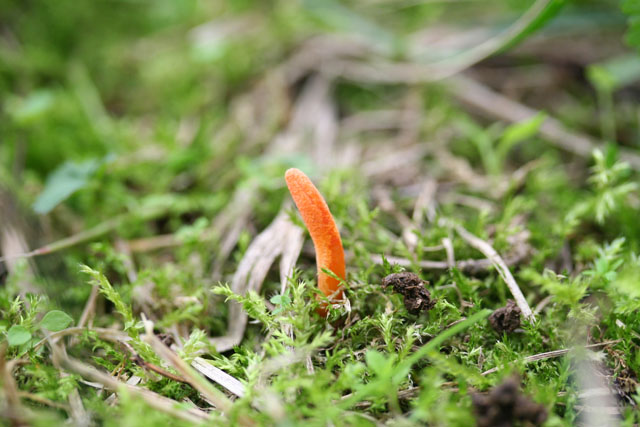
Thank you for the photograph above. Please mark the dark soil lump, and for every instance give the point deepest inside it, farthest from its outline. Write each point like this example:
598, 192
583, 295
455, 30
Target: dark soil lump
416, 296
505, 406
506, 319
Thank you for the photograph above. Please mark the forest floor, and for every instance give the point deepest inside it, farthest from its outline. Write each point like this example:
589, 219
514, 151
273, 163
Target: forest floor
154, 270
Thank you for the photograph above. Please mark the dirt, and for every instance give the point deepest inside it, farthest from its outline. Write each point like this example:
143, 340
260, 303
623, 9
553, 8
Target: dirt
506, 319
626, 385
166, 339
505, 406
416, 296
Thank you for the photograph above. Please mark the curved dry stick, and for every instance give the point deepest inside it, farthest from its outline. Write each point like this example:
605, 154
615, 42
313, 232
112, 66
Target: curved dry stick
502, 268
392, 72
552, 354
153, 399
251, 273
494, 105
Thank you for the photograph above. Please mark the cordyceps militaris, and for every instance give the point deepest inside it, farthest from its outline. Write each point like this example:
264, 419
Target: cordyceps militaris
324, 233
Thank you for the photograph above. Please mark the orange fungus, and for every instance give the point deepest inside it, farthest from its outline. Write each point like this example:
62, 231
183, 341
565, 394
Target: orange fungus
323, 230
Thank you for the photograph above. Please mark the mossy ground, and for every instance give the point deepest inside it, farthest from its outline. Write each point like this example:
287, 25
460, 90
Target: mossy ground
158, 134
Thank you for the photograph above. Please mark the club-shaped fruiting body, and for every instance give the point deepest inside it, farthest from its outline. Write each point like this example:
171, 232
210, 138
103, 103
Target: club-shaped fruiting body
323, 230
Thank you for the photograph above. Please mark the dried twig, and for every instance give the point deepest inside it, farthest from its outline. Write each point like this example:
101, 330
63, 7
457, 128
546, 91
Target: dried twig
10, 404
501, 266
13, 241
294, 240
89, 307
113, 398
138, 360
67, 242
87, 312
315, 118
78, 413
146, 244
106, 334
386, 204
448, 246
495, 105
372, 121
43, 401
250, 274
218, 376
232, 221
190, 376
425, 203
468, 91
91, 233
387, 72
552, 354
127, 261
153, 399
468, 265
394, 161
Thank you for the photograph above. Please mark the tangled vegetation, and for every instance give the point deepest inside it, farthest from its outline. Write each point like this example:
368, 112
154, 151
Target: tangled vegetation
480, 161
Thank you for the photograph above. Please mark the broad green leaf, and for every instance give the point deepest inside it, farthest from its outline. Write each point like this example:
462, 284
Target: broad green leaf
26, 110
56, 320
18, 335
63, 182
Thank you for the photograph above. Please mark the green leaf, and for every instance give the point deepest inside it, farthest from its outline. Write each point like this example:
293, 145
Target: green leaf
483, 142
615, 73
63, 182
632, 9
376, 361
339, 16
543, 17
523, 130
56, 320
281, 302
18, 335
518, 132
30, 108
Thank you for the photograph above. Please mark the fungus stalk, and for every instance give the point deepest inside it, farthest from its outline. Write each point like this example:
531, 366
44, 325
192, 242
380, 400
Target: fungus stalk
323, 230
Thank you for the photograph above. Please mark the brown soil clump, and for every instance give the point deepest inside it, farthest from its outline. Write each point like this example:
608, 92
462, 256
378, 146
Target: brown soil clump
416, 296
504, 406
506, 319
